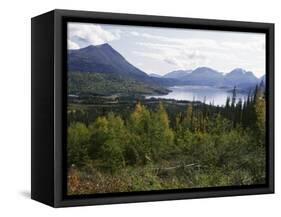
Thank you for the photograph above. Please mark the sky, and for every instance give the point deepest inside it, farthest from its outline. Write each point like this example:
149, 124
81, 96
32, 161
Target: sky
161, 50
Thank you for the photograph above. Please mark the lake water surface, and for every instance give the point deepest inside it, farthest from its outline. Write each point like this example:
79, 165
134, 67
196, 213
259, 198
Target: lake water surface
199, 93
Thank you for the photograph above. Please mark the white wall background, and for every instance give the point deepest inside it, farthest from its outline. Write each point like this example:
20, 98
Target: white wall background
15, 106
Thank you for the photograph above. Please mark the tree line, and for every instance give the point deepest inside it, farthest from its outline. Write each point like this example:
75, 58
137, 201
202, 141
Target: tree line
227, 143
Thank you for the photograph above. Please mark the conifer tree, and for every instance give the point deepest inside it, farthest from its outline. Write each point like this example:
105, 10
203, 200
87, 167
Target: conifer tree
161, 135
260, 115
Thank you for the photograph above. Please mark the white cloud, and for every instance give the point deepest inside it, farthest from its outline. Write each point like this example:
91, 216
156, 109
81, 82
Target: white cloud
257, 45
179, 52
134, 33
179, 58
72, 45
84, 34
188, 53
148, 54
178, 42
163, 50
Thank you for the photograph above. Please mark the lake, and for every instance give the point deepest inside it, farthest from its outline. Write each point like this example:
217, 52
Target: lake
214, 95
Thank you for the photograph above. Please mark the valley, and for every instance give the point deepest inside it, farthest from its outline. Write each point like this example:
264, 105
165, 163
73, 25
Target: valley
130, 131
102, 71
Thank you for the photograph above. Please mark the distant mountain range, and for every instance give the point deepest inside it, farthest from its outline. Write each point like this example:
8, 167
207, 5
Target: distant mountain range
240, 78
203, 76
177, 74
105, 60
155, 75
209, 77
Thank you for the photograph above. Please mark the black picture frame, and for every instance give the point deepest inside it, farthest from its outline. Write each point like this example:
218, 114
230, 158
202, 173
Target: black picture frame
48, 147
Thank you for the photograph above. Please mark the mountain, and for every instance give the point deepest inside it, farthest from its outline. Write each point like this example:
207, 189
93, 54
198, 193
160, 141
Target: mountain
110, 69
240, 78
155, 75
102, 59
209, 77
203, 76
102, 70
177, 74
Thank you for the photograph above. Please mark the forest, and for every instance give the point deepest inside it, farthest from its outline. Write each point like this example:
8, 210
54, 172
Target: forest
163, 145
98, 83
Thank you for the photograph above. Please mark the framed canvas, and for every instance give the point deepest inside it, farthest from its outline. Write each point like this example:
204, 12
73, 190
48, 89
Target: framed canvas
134, 108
